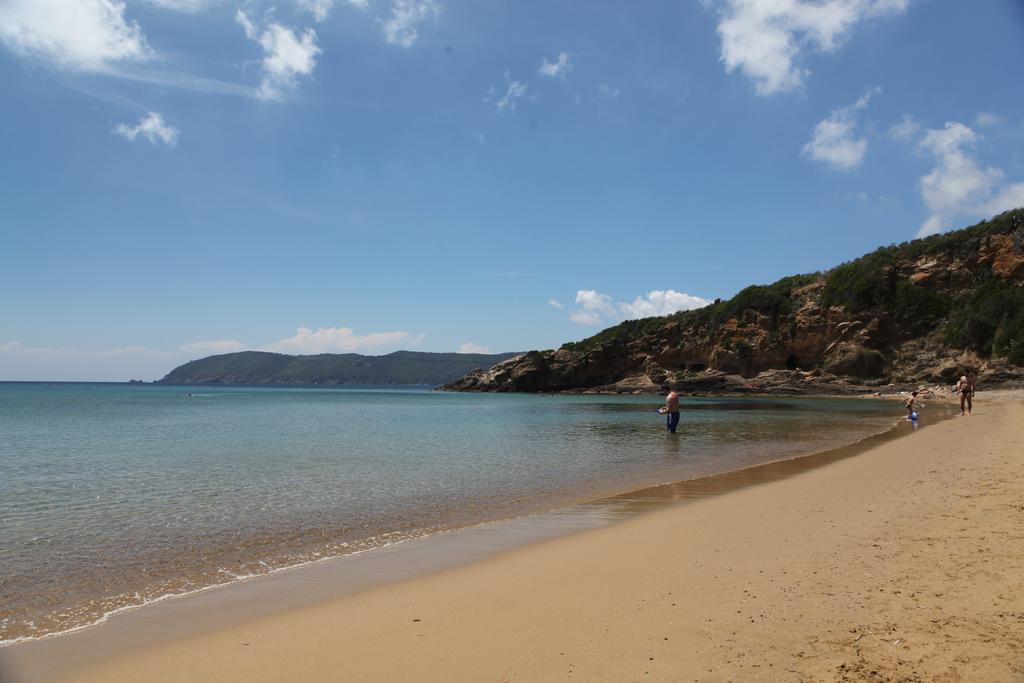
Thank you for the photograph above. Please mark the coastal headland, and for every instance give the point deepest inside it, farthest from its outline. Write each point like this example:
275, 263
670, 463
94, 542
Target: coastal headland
921, 312
905, 562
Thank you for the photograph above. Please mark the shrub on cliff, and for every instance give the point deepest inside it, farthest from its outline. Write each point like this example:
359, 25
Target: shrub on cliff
990, 320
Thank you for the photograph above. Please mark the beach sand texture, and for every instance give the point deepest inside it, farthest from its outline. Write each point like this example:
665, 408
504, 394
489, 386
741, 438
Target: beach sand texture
903, 563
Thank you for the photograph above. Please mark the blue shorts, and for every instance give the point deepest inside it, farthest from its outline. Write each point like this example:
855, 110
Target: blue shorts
672, 421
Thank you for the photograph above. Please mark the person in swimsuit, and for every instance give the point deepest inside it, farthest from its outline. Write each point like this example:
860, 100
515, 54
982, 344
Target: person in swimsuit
965, 387
671, 409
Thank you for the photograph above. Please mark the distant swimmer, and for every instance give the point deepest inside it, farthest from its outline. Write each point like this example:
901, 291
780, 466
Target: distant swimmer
671, 409
965, 387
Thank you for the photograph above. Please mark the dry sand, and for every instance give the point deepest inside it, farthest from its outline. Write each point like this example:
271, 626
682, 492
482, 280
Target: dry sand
903, 563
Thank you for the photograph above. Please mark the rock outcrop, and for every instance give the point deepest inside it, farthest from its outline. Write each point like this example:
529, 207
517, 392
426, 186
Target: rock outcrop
901, 315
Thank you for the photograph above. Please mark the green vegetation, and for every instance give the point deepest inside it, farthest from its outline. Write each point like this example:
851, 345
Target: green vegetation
872, 283
989, 319
401, 367
772, 300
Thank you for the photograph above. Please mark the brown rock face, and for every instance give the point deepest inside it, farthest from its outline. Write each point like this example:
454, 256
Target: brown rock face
805, 346
854, 360
1006, 254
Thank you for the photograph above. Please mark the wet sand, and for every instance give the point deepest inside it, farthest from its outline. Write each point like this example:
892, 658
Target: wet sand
904, 562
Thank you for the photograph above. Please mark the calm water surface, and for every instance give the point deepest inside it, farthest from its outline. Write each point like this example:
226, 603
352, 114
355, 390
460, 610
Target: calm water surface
115, 495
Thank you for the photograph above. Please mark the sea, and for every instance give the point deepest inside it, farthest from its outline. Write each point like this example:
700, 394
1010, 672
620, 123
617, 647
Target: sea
113, 496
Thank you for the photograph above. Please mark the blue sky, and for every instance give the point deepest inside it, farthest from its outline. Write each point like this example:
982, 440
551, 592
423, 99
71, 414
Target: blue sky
182, 177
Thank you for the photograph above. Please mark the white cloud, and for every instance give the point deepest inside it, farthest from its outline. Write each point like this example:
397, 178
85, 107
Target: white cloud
514, 91
662, 302
607, 90
1010, 197
470, 347
906, 129
596, 308
986, 119
593, 301
765, 39
211, 347
152, 127
251, 32
190, 6
343, 340
286, 55
40, 363
958, 186
400, 27
78, 35
834, 141
556, 304
320, 9
560, 68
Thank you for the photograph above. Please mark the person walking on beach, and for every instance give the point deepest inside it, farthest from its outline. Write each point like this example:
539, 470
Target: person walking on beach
965, 387
671, 409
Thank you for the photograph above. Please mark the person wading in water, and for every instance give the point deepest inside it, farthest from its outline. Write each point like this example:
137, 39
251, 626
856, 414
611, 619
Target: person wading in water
671, 409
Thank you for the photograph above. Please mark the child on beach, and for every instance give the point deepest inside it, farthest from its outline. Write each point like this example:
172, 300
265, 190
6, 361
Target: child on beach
912, 405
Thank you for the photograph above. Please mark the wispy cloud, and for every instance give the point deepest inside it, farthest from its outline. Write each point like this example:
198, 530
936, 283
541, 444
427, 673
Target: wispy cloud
594, 308
906, 129
513, 91
470, 347
151, 127
987, 119
191, 6
25, 362
401, 27
834, 141
554, 303
343, 340
661, 302
959, 186
211, 347
766, 39
608, 91
560, 68
320, 9
287, 55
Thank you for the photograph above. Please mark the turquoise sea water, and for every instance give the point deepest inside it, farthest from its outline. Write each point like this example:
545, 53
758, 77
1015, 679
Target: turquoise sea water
114, 495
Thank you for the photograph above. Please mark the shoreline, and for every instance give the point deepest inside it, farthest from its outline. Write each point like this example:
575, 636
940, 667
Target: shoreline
905, 563
113, 605
507, 535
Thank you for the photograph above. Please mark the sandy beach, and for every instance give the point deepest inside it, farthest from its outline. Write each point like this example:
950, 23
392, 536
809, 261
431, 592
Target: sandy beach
905, 562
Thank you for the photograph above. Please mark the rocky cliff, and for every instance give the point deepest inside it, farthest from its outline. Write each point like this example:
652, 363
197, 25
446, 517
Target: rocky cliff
918, 312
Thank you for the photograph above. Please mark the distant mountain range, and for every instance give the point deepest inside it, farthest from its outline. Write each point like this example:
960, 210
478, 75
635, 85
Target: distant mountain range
400, 367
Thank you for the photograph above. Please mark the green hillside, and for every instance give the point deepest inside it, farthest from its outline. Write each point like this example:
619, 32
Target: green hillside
400, 367
983, 312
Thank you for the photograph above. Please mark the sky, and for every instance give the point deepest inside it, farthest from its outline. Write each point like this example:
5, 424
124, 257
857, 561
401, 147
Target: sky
187, 177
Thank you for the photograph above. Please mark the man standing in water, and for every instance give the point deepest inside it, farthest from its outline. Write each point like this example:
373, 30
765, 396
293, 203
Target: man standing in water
671, 409
965, 387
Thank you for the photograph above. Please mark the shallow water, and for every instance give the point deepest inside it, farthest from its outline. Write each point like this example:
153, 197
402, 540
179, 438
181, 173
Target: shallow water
114, 495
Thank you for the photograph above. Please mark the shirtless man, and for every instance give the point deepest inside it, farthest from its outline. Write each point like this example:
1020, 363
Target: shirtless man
671, 409
965, 387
